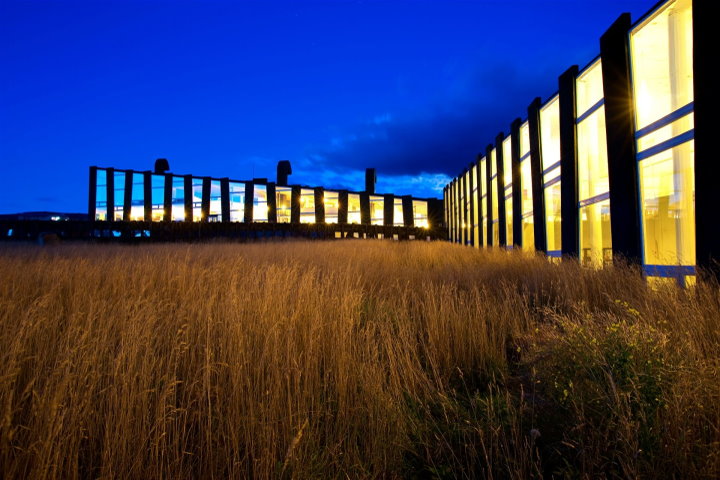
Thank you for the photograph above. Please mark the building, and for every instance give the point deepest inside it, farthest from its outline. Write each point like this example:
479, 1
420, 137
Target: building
117, 195
617, 163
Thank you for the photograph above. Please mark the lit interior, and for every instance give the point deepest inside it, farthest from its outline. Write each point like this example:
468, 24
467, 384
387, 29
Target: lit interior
662, 71
307, 205
237, 202
332, 206
420, 213
377, 209
260, 203
593, 183
354, 215
507, 187
494, 197
528, 229
178, 199
137, 199
550, 148
215, 203
157, 192
483, 200
197, 199
101, 195
119, 179
476, 212
398, 217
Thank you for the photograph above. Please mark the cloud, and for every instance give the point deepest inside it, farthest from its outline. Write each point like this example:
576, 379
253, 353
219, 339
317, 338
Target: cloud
445, 139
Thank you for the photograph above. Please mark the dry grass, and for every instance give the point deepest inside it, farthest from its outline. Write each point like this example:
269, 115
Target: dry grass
356, 359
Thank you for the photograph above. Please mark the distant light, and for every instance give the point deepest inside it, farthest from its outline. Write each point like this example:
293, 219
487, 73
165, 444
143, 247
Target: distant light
55, 218
10, 232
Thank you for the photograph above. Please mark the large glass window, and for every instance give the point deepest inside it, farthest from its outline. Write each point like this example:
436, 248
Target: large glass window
377, 209
354, 215
550, 148
197, 199
661, 51
508, 190
137, 199
483, 201
398, 217
475, 205
119, 195
593, 184
260, 203
307, 205
215, 202
332, 206
420, 213
237, 202
101, 194
528, 228
283, 204
157, 188
464, 207
495, 198
178, 199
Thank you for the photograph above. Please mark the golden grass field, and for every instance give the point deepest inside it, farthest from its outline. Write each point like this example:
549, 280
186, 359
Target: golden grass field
349, 359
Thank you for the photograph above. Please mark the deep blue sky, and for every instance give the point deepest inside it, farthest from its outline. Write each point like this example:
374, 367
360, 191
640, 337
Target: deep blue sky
228, 88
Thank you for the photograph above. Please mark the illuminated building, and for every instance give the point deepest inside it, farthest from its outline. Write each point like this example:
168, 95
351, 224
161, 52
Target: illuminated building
613, 165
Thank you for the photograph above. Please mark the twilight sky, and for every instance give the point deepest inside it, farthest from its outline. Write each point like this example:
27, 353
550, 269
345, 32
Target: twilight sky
228, 88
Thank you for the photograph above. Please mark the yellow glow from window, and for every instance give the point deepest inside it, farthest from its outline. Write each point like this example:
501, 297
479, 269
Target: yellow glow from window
552, 217
509, 221
550, 133
589, 88
354, 208
592, 156
377, 210
595, 239
283, 204
524, 139
398, 217
420, 213
307, 205
507, 162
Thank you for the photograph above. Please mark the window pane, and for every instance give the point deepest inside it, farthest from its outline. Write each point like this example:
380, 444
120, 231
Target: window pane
178, 199
307, 205
354, 208
589, 88
137, 202
528, 232
550, 133
332, 205
524, 139
101, 195
476, 213
552, 217
158, 197
398, 217
507, 161
662, 62
260, 206
119, 194
215, 203
420, 213
237, 202
509, 218
197, 199
483, 200
595, 241
376, 210
592, 156
668, 206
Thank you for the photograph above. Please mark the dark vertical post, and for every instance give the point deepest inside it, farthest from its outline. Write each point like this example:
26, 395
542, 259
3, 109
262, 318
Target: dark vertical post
343, 206
501, 188
319, 193
707, 169
365, 208
536, 172
167, 214
568, 163
488, 186
370, 180
127, 204
205, 201
408, 214
249, 201
271, 203
480, 187
225, 199
389, 210
147, 195
92, 193
620, 131
517, 186
110, 176
188, 197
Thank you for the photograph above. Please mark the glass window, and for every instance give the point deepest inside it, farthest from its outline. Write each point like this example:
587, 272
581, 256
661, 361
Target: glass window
509, 217
283, 204
307, 205
377, 212
215, 202
237, 201
476, 212
495, 199
420, 213
332, 205
197, 199
158, 197
260, 204
507, 162
119, 179
550, 148
524, 139
178, 199
354, 208
662, 71
101, 195
595, 241
483, 200
528, 229
137, 201
398, 217
593, 184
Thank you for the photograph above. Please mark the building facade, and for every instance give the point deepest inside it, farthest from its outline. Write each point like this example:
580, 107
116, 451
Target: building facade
613, 164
